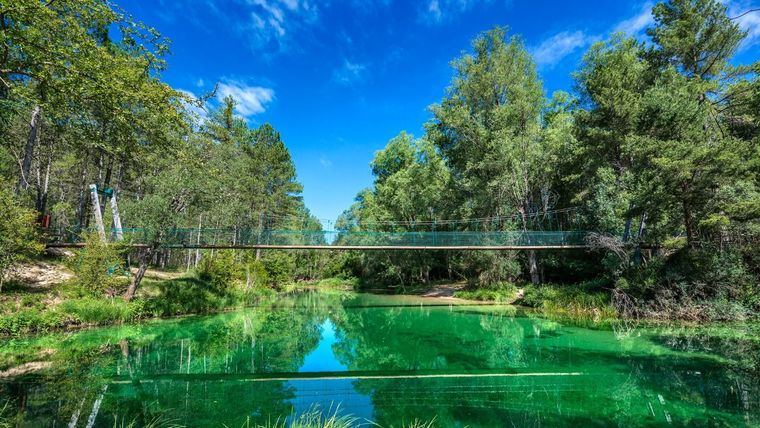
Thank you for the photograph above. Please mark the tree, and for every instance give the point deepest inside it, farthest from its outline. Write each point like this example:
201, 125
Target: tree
696, 36
18, 234
489, 129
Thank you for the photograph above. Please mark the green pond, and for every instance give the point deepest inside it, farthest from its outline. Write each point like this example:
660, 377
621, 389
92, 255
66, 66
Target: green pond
386, 359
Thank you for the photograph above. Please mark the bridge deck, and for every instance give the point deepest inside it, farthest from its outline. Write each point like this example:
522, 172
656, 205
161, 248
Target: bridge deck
344, 247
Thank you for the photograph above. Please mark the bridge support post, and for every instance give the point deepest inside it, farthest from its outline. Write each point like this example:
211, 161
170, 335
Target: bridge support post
97, 212
116, 218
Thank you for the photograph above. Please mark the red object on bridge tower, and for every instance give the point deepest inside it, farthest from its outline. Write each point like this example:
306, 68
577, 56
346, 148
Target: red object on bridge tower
44, 221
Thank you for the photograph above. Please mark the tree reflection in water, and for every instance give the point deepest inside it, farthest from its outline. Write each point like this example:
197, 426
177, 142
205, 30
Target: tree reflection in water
249, 365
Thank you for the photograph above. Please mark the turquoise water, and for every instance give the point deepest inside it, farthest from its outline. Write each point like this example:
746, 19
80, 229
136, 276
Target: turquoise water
389, 360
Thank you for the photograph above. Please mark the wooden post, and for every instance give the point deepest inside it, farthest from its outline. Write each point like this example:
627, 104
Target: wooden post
116, 218
96, 210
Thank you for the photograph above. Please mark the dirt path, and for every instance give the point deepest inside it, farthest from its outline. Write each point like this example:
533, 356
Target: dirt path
444, 290
40, 275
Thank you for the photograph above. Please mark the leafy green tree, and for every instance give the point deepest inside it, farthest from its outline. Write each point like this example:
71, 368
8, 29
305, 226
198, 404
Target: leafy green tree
18, 234
489, 129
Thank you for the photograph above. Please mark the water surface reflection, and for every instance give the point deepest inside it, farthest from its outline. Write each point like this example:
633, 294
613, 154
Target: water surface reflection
387, 359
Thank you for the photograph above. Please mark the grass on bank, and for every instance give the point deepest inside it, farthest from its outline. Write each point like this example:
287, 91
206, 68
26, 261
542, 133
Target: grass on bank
69, 306
582, 301
503, 292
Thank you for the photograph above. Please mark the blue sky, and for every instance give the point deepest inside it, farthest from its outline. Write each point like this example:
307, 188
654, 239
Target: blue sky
338, 79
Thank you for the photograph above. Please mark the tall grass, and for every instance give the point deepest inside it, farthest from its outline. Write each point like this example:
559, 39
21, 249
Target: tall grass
576, 301
332, 418
314, 418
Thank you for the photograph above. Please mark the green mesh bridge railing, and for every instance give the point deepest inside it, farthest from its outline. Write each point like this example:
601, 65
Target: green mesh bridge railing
336, 240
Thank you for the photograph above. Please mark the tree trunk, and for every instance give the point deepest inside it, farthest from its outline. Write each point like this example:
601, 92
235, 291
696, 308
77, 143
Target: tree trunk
198, 241
258, 241
42, 191
83, 190
535, 278
688, 218
132, 289
26, 163
628, 221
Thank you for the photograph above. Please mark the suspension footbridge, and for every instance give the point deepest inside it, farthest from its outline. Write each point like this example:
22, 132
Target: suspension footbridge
336, 240
548, 230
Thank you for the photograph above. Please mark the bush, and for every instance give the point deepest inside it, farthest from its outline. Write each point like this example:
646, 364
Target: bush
218, 271
279, 266
577, 301
256, 275
498, 292
194, 295
99, 267
31, 320
18, 234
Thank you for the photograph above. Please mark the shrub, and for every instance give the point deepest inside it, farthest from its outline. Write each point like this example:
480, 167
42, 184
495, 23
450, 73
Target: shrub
279, 266
190, 295
18, 234
498, 292
99, 267
576, 301
31, 320
218, 270
256, 274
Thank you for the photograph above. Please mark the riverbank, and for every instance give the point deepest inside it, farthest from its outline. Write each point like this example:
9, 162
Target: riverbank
372, 355
44, 296
35, 304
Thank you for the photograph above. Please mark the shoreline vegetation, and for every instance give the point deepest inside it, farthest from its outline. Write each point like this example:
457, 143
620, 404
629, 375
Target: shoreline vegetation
30, 308
653, 157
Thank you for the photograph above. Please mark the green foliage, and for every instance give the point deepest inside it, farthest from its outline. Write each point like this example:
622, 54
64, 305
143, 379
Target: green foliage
658, 147
190, 296
18, 234
99, 267
30, 320
501, 292
578, 301
218, 270
99, 311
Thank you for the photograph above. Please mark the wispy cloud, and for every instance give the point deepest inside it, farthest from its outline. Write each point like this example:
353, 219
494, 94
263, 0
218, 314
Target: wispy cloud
251, 100
749, 22
636, 24
439, 11
272, 21
326, 163
434, 11
555, 48
563, 44
349, 72
193, 105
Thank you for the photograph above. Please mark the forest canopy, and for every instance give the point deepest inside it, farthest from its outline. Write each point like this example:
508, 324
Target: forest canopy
656, 151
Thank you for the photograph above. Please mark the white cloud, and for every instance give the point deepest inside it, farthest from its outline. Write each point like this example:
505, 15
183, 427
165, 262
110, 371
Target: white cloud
200, 83
193, 105
439, 11
434, 10
349, 72
250, 100
637, 23
749, 22
272, 21
326, 163
560, 45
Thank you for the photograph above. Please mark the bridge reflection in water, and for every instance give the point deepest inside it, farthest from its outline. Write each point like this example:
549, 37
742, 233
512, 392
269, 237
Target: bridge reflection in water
389, 359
